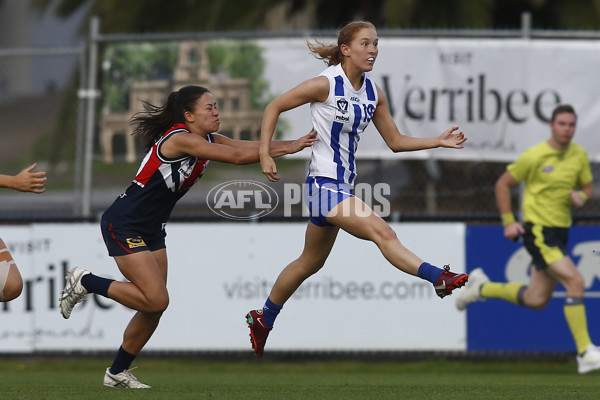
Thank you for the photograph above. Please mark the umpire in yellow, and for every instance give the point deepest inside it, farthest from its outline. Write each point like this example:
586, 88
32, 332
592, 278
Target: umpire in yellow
557, 175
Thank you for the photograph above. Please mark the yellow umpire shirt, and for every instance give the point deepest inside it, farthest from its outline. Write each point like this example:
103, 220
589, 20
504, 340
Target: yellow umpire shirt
549, 174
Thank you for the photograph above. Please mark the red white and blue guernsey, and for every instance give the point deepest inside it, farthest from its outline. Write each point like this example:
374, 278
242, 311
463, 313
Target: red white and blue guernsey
159, 183
339, 121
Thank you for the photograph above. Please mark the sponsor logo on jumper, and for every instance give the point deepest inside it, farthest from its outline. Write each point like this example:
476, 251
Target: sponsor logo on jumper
342, 118
342, 105
548, 168
186, 168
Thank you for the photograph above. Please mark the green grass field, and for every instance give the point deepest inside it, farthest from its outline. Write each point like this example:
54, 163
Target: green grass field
262, 379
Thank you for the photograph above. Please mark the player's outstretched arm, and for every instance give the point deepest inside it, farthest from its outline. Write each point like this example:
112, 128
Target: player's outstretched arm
396, 141
25, 181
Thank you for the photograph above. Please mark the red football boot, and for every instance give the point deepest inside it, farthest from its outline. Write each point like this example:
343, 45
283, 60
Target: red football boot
258, 331
448, 281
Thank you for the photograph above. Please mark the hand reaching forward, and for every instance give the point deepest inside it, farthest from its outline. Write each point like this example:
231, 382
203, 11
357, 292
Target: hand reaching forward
451, 139
305, 141
267, 163
29, 181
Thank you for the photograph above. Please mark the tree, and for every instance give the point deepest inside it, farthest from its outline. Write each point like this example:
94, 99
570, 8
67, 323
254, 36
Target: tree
240, 59
226, 15
125, 63
142, 16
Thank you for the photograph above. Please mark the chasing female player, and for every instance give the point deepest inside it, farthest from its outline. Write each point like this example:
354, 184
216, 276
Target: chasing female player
181, 139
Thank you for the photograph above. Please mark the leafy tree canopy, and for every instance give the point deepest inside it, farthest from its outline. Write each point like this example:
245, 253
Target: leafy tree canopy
141, 16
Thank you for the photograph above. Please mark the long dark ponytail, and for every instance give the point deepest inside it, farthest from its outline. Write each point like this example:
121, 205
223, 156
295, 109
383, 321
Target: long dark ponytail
154, 121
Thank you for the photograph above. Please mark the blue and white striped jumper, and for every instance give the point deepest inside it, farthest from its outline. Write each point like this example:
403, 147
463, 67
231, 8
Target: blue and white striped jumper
339, 121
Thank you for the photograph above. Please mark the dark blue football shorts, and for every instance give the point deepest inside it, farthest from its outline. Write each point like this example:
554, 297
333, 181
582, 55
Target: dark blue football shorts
121, 242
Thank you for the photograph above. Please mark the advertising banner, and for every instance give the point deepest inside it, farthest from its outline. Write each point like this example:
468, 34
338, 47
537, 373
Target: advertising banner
220, 271
500, 92
496, 325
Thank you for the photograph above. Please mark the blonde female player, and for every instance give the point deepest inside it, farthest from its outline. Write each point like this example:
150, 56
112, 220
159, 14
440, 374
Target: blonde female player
343, 101
11, 283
